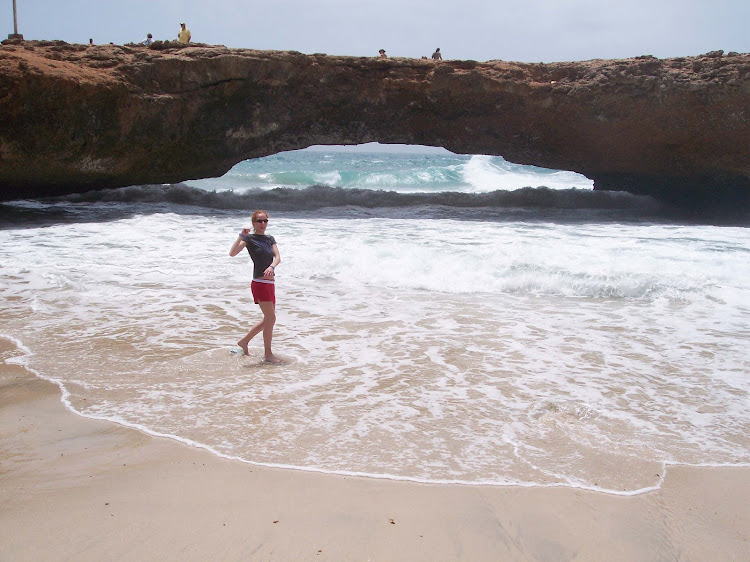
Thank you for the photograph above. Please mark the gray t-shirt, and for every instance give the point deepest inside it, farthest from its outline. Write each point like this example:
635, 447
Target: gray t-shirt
260, 248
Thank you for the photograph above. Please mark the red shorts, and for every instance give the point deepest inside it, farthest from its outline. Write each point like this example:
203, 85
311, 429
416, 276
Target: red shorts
263, 292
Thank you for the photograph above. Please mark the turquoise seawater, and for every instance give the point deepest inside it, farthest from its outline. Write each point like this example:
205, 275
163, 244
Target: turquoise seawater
401, 171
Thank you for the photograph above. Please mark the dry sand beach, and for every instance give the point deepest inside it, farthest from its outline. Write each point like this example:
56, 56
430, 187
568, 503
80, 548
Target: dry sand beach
83, 489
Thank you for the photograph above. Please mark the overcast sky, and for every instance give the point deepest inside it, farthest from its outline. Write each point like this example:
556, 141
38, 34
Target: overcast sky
520, 30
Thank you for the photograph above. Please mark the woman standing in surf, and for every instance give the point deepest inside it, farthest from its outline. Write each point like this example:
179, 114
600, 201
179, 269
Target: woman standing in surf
265, 256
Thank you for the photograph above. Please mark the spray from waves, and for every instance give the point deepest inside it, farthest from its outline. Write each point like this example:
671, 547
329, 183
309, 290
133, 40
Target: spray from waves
319, 196
492, 173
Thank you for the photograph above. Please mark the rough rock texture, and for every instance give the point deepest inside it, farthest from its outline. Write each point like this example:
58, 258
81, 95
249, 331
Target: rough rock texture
75, 117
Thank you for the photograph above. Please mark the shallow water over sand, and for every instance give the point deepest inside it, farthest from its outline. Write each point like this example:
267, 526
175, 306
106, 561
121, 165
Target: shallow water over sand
528, 352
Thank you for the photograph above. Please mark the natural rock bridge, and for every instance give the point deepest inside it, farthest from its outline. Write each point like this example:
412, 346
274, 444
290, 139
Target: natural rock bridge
77, 117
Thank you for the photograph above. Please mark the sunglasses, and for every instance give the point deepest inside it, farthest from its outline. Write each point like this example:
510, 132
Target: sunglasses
261, 220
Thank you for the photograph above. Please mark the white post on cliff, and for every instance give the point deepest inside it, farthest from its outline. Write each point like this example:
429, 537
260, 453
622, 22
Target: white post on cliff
15, 34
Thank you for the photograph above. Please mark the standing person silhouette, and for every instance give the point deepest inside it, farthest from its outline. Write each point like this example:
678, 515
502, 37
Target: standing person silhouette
265, 255
183, 36
436, 55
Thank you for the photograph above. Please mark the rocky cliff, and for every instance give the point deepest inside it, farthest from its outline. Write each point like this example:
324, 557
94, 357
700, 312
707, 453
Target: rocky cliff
77, 117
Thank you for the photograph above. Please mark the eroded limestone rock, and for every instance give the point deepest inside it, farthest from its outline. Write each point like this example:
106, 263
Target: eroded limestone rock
78, 117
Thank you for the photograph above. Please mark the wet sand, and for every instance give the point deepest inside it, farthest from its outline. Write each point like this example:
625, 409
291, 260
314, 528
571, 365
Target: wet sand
76, 488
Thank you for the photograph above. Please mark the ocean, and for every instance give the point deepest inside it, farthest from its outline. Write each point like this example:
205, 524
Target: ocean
445, 319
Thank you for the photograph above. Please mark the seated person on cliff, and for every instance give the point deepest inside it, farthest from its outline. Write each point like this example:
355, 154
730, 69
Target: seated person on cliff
382, 54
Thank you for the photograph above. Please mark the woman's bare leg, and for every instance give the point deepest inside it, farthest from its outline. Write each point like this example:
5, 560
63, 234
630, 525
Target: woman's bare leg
269, 319
254, 331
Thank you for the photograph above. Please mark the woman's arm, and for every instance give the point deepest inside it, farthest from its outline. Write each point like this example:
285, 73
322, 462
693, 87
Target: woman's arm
269, 272
239, 243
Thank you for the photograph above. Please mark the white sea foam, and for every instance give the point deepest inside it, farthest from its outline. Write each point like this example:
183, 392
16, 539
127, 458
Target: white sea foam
490, 173
526, 353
